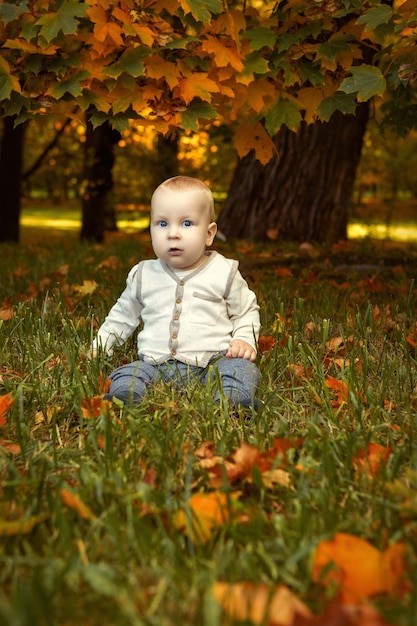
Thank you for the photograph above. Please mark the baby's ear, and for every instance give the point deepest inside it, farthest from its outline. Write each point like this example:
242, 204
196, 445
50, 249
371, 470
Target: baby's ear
211, 233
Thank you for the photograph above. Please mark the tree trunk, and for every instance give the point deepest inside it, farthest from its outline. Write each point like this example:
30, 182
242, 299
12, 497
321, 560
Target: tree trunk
98, 211
11, 159
303, 194
165, 164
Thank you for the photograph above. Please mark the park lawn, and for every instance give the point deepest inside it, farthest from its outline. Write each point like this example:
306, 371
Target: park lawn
178, 511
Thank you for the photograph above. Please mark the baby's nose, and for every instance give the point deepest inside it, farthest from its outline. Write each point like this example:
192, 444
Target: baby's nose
173, 231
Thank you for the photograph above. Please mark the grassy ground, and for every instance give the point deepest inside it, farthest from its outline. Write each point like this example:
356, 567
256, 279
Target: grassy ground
99, 520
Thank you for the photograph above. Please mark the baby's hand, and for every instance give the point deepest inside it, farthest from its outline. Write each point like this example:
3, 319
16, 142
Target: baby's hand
239, 349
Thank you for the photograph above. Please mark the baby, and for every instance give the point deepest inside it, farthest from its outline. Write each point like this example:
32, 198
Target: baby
198, 316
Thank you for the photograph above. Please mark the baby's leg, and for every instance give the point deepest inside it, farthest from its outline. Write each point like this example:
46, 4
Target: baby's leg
240, 380
129, 382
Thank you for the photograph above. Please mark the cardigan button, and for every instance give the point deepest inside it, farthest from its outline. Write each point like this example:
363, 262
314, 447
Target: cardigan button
181, 283
178, 300
173, 352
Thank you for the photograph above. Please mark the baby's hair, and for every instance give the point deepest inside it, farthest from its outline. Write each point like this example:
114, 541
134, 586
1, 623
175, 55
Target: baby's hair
188, 183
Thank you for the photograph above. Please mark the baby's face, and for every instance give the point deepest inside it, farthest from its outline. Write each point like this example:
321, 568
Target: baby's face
181, 228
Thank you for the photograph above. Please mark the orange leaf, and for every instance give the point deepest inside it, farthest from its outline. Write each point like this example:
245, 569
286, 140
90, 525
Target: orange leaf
6, 314
265, 343
300, 371
259, 604
341, 388
371, 460
72, 501
197, 86
207, 511
224, 54
359, 569
283, 272
94, 407
14, 448
6, 402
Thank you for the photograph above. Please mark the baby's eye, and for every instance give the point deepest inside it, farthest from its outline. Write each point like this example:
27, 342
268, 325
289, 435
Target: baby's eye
187, 223
163, 223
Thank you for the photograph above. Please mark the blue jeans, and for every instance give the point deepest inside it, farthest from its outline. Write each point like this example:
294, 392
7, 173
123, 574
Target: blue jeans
239, 378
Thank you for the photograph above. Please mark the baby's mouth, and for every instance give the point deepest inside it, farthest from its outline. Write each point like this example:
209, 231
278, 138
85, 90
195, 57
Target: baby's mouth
175, 251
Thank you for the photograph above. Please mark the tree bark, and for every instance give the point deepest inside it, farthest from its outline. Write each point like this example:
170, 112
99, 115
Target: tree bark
11, 159
303, 194
98, 211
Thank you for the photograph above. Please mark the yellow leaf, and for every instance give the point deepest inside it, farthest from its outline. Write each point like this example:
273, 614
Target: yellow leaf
88, 287
21, 526
261, 93
254, 137
309, 100
207, 511
260, 604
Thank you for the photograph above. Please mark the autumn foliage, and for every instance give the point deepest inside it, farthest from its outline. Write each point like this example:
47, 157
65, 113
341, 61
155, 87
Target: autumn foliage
172, 65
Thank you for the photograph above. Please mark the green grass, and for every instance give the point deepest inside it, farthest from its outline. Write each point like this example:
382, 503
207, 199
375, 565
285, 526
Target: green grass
126, 563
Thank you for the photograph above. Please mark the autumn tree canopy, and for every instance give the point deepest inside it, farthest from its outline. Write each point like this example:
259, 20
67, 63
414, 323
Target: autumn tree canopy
255, 64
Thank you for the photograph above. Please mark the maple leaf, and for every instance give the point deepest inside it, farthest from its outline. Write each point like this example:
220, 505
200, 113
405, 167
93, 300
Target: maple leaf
201, 9
88, 287
357, 568
197, 86
260, 604
340, 387
64, 19
224, 54
156, 67
94, 407
366, 81
265, 343
254, 137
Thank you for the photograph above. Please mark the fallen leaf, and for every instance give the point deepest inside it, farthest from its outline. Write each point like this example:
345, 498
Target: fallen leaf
94, 407
21, 526
356, 568
371, 460
265, 343
340, 387
12, 447
259, 604
6, 314
205, 513
71, 500
87, 288
6, 402
283, 272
